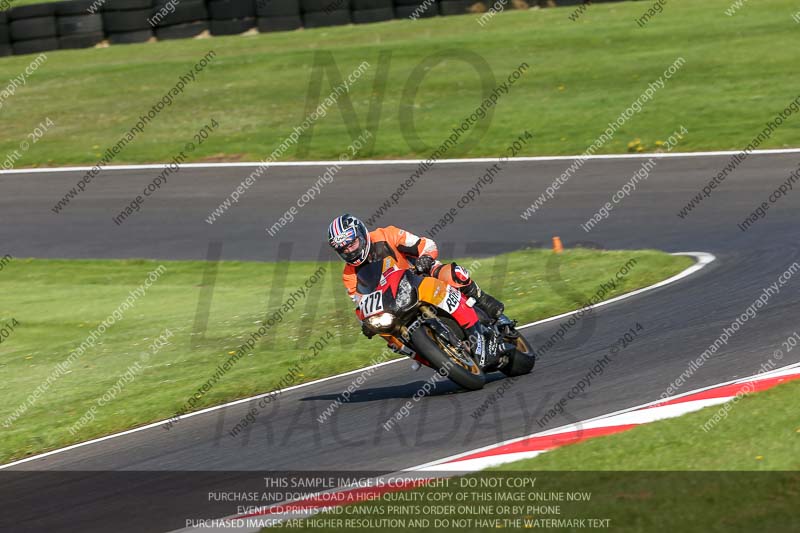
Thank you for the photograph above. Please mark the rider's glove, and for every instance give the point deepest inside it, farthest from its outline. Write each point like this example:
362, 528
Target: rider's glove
366, 330
424, 264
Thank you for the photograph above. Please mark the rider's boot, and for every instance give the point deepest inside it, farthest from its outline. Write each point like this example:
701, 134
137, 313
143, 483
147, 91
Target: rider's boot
489, 304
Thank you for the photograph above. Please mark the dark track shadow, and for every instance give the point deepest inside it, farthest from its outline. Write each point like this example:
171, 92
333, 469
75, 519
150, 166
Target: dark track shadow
401, 391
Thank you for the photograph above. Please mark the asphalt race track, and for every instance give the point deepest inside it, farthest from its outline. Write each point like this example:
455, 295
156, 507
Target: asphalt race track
680, 321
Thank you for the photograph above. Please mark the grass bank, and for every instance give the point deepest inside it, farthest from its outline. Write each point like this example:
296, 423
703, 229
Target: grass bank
582, 74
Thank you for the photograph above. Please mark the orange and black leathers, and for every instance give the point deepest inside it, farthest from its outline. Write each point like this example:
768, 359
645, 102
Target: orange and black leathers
389, 242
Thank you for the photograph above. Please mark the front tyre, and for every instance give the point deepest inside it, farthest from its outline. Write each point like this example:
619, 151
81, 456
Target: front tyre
446, 359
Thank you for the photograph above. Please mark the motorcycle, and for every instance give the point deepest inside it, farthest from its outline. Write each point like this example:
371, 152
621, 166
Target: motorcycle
420, 316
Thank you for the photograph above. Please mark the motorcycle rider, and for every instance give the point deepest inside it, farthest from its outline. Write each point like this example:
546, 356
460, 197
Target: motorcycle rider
357, 246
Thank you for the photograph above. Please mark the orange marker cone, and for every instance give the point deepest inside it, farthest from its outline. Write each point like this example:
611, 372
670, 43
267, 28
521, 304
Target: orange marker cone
557, 246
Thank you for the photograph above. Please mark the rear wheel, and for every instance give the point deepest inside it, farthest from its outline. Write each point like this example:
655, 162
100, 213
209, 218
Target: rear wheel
448, 360
522, 360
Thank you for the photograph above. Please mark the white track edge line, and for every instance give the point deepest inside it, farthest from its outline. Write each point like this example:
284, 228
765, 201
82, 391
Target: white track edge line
703, 259
368, 162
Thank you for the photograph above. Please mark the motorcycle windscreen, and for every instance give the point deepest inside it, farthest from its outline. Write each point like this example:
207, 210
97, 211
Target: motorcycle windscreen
369, 276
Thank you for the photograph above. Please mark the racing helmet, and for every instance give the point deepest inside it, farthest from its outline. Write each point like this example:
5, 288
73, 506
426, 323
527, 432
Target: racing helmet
350, 238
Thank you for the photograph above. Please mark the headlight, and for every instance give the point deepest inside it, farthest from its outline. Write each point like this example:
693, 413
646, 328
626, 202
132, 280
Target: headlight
404, 293
383, 320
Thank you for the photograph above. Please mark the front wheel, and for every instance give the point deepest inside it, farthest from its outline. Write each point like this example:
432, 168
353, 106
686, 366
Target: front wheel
447, 360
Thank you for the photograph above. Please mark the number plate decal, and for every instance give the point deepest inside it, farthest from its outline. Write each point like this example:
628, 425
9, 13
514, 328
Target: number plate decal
371, 304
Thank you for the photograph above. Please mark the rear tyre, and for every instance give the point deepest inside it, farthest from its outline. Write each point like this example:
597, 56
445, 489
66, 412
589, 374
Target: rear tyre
268, 24
125, 5
455, 7
33, 28
443, 358
31, 11
231, 27
522, 360
130, 37
320, 19
181, 31
79, 24
126, 21
83, 40
372, 15
34, 46
231, 9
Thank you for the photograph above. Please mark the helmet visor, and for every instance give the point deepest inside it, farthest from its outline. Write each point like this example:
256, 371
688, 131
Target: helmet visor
352, 247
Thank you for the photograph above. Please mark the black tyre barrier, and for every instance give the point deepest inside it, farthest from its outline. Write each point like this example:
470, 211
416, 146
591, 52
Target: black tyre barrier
126, 5
232, 27
130, 37
181, 31
78, 24
78, 7
32, 11
268, 24
363, 5
34, 46
73, 24
365, 16
184, 11
81, 40
277, 8
33, 28
325, 6
455, 7
231, 9
405, 12
126, 21
321, 19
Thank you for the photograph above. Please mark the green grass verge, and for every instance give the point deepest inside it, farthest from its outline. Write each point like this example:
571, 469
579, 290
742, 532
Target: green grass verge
670, 475
582, 76
761, 432
59, 302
